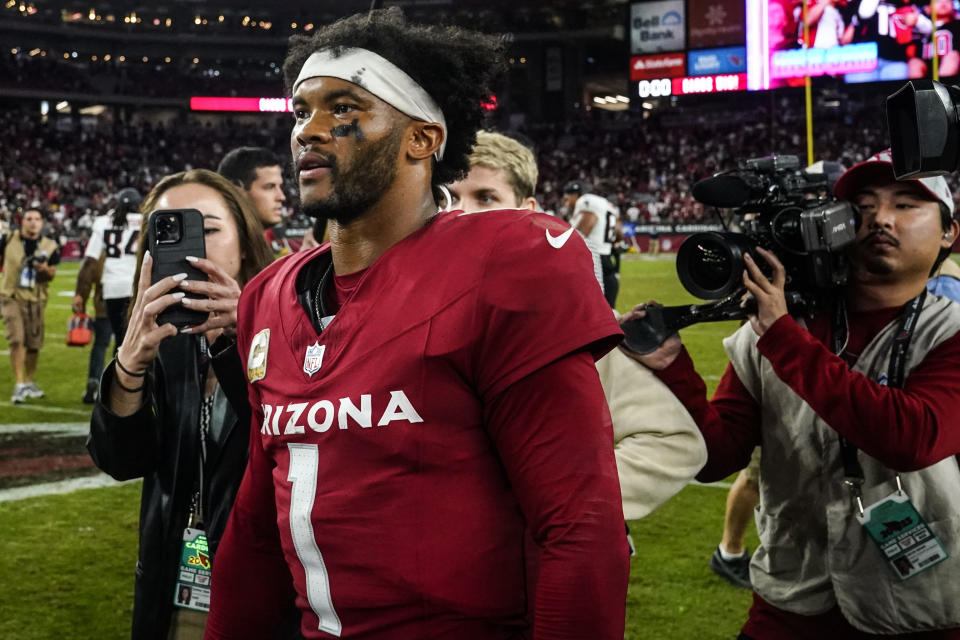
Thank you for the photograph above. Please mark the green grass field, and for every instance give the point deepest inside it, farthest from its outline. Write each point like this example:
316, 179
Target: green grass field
67, 560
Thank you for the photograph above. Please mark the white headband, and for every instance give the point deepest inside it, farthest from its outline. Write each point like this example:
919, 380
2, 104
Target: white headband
380, 77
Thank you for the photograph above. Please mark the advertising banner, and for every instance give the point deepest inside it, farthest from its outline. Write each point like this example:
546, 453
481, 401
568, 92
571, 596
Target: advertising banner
716, 23
707, 62
657, 26
664, 65
860, 41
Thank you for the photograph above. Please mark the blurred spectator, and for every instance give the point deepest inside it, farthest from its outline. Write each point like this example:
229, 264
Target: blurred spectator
29, 264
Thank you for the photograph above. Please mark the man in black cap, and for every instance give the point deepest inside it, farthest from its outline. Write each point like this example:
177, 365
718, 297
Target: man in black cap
597, 220
114, 238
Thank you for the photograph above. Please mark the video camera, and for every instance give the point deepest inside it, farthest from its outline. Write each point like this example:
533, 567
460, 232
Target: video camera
924, 125
788, 211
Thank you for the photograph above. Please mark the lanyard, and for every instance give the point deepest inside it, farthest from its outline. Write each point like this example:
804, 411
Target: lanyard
852, 471
195, 517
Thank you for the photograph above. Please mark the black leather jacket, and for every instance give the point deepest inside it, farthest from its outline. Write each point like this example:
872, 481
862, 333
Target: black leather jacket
161, 444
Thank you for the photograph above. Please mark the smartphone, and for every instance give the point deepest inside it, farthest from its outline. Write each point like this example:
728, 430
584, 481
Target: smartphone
172, 235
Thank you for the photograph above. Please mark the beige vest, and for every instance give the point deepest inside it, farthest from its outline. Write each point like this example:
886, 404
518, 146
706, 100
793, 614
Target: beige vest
659, 448
12, 261
813, 552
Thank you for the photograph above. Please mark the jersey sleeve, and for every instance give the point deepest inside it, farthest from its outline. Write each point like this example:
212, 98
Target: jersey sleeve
95, 244
553, 435
538, 301
593, 204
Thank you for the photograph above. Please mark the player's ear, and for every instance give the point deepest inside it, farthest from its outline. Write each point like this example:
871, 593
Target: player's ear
426, 138
528, 203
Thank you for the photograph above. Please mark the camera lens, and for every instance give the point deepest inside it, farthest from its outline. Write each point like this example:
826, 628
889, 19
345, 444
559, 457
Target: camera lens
709, 264
168, 228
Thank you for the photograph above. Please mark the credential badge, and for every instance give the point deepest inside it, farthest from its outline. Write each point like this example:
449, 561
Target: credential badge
257, 359
313, 358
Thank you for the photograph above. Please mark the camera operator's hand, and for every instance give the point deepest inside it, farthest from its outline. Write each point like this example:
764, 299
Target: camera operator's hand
222, 294
769, 294
664, 355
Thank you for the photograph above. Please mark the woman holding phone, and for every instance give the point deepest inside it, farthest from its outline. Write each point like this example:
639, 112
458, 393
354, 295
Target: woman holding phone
173, 407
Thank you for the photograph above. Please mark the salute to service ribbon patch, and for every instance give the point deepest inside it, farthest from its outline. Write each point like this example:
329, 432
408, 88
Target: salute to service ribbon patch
257, 359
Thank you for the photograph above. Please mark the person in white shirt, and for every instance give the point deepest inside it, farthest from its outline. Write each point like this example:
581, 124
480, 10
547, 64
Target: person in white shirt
115, 238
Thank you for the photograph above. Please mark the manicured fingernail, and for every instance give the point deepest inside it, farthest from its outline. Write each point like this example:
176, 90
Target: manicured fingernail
146, 255
185, 284
178, 295
186, 301
192, 258
179, 277
186, 330
747, 256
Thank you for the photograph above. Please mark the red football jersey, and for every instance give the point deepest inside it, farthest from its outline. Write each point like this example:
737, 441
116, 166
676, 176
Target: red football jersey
394, 511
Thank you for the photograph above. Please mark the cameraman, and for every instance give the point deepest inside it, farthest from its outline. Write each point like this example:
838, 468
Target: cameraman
29, 263
840, 431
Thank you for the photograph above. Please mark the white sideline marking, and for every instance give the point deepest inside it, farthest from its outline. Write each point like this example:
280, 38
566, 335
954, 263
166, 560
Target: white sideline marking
39, 407
67, 428
63, 486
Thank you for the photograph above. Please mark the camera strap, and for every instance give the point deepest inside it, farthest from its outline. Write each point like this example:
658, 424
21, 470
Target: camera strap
907, 323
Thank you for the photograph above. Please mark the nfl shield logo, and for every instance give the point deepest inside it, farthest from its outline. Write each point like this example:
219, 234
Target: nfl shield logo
313, 358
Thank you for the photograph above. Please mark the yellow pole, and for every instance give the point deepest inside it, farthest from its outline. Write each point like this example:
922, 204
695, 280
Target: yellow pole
933, 41
806, 86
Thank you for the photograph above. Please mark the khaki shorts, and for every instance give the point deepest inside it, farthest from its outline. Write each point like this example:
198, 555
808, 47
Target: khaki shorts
752, 471
24, 322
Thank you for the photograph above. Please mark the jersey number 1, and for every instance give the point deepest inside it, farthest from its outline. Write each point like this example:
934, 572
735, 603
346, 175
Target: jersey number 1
304, 460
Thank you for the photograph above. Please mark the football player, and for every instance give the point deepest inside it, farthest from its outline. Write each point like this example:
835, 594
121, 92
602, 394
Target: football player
424, 392
598, 220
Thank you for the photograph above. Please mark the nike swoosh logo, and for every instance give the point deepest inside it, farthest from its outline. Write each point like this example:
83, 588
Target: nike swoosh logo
560, 240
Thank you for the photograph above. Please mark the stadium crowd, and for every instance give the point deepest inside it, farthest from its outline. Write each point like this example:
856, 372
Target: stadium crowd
72, 167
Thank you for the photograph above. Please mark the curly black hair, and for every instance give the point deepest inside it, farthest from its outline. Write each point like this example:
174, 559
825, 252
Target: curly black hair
457, 67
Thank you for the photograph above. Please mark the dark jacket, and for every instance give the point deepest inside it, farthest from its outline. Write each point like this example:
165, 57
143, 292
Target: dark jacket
161, 444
